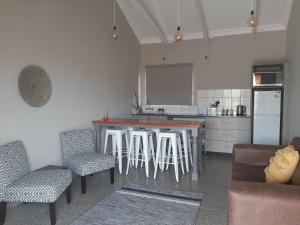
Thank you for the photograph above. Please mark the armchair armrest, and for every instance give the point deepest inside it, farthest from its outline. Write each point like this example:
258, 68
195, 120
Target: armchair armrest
252, 154
260, 203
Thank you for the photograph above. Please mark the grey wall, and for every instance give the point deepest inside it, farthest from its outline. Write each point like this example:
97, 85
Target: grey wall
230, 58
293, 48
90, 73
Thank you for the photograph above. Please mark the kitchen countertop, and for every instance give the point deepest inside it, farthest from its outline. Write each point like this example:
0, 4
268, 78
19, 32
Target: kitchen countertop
187, 115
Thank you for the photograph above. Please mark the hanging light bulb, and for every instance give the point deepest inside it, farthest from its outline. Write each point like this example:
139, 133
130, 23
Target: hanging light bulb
252, 21
115, 34
178, 36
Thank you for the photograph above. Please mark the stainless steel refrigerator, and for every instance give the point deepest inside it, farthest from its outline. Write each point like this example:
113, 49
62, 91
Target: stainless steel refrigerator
267, 115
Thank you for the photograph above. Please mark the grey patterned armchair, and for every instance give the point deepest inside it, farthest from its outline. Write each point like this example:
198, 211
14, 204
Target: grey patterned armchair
18, 184
79, 155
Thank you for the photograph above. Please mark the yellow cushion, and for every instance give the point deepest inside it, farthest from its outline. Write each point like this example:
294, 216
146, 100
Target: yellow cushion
282, 165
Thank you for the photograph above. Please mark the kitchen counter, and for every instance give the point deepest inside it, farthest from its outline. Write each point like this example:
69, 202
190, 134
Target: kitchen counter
196, 116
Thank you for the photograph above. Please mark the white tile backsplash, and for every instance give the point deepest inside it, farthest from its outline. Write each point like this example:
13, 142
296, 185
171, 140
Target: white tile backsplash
235, 93
218, 93
227, 93
229, 98
245, 93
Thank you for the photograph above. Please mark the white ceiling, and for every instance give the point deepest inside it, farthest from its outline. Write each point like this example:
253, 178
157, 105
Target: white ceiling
223, 17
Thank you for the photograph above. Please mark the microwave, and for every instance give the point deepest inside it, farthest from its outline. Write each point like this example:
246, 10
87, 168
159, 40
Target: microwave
268, 75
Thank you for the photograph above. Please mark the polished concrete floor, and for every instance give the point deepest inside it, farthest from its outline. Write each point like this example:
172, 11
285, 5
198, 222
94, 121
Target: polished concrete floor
213, 183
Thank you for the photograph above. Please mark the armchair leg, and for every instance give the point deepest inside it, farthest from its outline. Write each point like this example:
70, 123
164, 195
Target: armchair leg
52, 213
112, 175
83, 184
3, 212
68, 194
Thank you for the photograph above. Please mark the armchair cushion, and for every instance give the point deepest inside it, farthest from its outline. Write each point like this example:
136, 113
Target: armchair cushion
88, 163
39, 186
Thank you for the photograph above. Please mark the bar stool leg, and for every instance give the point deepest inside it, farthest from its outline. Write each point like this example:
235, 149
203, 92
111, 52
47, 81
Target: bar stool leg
169, 154
152, 149
180, 153
137, 150
175, 157
114, 145
146, 153
158, 155
130, 152
105, 142
190, 148
163, 151
119, 150
185, 149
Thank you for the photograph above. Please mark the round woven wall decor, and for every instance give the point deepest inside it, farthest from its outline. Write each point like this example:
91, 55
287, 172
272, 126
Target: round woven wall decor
34, 86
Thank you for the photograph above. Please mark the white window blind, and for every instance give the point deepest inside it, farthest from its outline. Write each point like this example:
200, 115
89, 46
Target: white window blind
169, 84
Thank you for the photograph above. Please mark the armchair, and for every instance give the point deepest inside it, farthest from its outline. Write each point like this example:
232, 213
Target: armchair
18, 184
79, 155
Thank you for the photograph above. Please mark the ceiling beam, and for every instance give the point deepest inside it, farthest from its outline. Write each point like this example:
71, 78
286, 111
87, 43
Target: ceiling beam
204, 27
155, 21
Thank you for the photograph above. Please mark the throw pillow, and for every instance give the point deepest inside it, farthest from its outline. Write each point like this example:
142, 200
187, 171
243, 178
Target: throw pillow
282, 165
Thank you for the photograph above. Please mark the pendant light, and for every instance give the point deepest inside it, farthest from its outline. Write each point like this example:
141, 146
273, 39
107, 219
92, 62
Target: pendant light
115, 33
252, 21
178, 36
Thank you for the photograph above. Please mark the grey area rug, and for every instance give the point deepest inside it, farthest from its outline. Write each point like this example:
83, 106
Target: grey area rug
134, 204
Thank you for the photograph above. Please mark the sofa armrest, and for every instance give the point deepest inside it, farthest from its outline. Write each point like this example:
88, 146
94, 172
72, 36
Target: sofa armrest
260, 203
251, 154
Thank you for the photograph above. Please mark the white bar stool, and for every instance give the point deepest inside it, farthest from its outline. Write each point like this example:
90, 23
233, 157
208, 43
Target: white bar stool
187, 149
174, 152
117, 144
141, 145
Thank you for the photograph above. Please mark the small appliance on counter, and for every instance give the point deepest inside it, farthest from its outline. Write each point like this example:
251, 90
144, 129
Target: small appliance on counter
241, 110
213, 110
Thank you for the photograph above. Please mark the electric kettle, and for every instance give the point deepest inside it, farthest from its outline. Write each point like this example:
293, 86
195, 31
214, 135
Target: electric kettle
241, 110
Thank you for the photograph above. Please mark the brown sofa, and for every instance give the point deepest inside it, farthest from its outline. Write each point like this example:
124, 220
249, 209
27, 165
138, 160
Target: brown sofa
251, 200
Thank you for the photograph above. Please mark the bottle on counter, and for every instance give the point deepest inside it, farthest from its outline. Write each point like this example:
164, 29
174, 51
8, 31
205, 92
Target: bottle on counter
231, 112
227, 112
223, 112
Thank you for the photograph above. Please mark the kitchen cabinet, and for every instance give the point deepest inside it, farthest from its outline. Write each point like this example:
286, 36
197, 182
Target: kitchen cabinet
223, 132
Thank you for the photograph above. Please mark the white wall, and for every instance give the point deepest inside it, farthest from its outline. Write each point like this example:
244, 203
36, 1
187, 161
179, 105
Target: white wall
90, 73
230, 58
293, 47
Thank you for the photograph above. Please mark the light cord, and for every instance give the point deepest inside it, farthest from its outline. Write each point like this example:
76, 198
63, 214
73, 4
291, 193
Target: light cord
114, 13
178, 13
